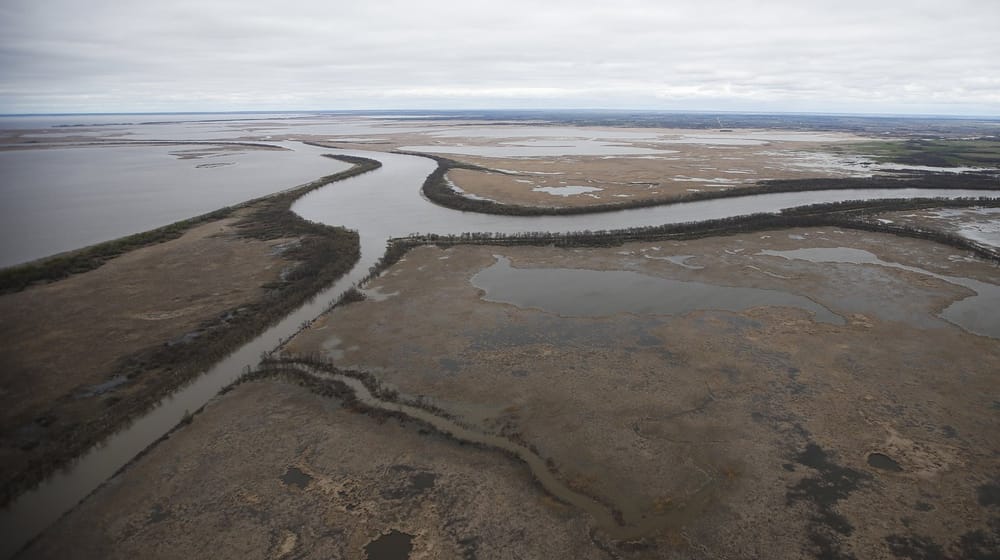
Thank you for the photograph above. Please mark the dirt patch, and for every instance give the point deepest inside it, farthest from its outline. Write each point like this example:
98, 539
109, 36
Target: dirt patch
749, 431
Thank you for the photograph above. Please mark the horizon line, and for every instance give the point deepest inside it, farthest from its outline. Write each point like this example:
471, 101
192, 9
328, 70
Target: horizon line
512, 110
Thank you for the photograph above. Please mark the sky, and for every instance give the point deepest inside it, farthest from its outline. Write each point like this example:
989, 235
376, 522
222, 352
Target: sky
872, 56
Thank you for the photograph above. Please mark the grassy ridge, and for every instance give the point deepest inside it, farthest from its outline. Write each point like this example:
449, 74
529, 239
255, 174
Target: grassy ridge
858, 214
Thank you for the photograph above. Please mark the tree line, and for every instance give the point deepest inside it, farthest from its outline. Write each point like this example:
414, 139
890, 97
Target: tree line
857, 214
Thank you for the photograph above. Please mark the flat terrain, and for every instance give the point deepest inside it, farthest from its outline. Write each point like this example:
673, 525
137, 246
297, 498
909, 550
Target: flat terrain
271, 470
164, 312
750, 433
65, 366
854, 421
580, 166
694, 168
154, 294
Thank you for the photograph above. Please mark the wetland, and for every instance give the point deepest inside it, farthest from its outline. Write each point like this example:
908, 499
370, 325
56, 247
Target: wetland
748, 389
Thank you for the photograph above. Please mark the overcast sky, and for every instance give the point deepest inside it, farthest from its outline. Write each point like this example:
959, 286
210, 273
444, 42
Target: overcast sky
871, 56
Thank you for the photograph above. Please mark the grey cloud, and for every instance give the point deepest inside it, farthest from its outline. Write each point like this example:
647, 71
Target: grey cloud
891, 55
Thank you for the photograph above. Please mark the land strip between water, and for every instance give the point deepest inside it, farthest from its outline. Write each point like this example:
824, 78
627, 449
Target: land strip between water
857, 214
173, 301
440, 190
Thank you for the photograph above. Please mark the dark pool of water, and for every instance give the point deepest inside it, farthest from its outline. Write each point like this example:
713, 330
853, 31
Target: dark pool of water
393, 545
295, 477
884, 462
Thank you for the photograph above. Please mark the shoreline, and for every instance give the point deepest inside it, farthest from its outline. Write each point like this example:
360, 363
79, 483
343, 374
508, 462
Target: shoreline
324, 254
849, 214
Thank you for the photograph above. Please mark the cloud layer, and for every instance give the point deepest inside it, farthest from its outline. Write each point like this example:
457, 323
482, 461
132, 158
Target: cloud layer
913, 56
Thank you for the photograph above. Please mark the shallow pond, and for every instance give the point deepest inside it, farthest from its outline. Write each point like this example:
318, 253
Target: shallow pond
976, 314
580, 292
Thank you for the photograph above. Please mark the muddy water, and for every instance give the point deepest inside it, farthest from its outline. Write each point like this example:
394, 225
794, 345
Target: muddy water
976, 314
578, 292
382, 204
618, 521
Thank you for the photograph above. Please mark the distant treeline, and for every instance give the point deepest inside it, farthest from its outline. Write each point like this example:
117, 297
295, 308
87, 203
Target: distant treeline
857, 214
437, 188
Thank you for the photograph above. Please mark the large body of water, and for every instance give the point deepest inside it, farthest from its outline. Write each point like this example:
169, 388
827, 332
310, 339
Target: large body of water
382, 204
58, 199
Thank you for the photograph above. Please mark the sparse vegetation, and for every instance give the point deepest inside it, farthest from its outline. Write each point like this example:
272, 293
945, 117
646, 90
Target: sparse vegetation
437, 188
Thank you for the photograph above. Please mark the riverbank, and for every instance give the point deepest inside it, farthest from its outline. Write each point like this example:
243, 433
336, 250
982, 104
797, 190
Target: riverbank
862, 215
172, 302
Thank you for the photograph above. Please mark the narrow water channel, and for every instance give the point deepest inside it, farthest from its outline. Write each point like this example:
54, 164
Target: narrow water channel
381, 204
625, 523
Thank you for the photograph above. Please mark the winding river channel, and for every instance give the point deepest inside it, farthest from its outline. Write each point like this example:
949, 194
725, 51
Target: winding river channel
381, 205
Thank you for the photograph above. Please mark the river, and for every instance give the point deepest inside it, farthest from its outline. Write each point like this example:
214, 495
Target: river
382, 204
